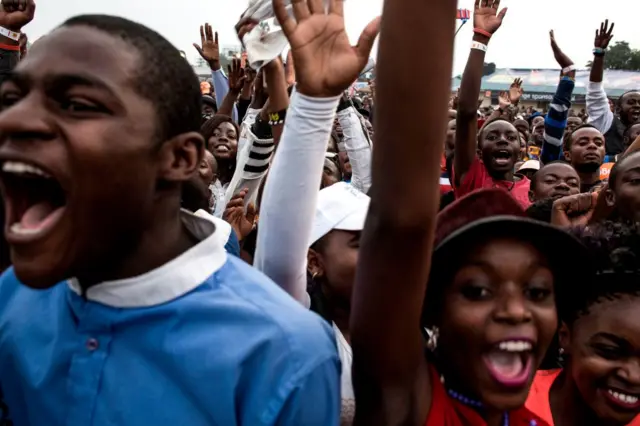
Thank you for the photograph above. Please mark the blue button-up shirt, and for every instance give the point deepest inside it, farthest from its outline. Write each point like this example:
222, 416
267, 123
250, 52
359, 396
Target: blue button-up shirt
202, 340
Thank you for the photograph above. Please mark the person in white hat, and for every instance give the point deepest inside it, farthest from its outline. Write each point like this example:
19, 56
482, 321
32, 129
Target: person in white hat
306, 233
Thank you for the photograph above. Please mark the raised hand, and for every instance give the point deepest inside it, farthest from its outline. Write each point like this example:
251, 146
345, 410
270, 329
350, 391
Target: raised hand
325, 62
15, 14
234, 213
562, 59
503, 101
515, 91
574, 210
209, 47
236, 75
486, 16
604, 35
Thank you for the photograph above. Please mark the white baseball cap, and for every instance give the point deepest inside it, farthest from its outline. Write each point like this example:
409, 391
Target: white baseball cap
340, 206
530, 165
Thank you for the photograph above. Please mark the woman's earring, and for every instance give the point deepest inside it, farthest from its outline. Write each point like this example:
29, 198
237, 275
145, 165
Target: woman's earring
432, 341
561, 355
313, 276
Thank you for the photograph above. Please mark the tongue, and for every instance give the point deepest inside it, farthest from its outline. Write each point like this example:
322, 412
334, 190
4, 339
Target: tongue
36, 214
506, 364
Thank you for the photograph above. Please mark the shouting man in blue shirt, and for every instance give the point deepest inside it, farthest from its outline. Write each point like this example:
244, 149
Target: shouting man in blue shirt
121, 309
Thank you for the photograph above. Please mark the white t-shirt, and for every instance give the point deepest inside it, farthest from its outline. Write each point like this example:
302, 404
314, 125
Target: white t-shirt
348, 409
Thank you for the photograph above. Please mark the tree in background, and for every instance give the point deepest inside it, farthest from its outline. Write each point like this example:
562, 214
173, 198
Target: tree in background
621, 56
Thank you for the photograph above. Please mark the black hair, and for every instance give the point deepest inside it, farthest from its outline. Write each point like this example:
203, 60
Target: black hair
619, 101
541, 209
568, 140
319, 302
195, 195
163, 76
213, 123
534, 182
615, 254
484, 127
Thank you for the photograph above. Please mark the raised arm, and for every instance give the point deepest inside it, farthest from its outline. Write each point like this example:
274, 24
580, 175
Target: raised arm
357, 145
391, 379
486, 22
325, 65
600, 114
236, 82
555, 122
209, 49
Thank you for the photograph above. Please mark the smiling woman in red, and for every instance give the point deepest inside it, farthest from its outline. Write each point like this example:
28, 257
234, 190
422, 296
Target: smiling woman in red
599, 340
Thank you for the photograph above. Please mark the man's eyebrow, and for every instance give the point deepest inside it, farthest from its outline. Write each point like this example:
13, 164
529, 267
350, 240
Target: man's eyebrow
66, 81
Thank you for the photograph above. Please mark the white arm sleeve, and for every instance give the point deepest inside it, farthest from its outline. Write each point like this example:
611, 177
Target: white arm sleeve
600, 116
358, 148
290, 195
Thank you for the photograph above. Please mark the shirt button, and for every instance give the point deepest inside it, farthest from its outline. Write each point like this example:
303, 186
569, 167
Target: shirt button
92, 344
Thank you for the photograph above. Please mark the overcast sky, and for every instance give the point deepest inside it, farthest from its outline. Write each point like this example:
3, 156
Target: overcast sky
522, 42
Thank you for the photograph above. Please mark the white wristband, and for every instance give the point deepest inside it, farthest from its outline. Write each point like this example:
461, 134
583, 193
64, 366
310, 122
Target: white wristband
568, 69
11, 34
478, 46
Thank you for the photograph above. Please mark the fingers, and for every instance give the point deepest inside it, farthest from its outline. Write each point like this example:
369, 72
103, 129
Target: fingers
251, 213
336, 7
286, 22
316, 6
610, 33
367, 38
477, 4
300, 10
202, 36
496, 5
198, 49
502, 13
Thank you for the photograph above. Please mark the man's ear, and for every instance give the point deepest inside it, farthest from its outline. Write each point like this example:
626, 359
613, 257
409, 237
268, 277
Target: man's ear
532, 197
180, 157
315, 265
567, 156
609, 197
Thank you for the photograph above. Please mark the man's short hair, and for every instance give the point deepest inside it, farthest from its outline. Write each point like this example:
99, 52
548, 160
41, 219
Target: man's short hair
569, 140
163, 76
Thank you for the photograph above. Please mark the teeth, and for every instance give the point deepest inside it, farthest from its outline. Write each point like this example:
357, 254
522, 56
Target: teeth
17, 228
515, 346
627, 399
23, 168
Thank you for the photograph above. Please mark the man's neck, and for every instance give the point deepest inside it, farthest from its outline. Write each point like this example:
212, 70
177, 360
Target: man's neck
589, 177
165, 239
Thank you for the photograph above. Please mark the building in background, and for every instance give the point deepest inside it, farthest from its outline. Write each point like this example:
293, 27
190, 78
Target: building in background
540, 85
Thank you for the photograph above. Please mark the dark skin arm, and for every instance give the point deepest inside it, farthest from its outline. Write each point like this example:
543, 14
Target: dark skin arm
278, 96
236, 82
485, 18
390, 374
602, 40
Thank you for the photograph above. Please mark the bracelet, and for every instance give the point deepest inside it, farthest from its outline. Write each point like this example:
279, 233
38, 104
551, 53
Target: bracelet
479, 46
9, 47
276, 118
598, 51
10, 34
482, 32
568, 69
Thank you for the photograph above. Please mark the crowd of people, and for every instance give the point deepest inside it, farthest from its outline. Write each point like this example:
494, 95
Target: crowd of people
246, 257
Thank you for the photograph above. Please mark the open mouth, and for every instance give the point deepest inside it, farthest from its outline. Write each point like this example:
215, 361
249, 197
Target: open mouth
502, 157
34, 201
510, 362
222, 148
623, 400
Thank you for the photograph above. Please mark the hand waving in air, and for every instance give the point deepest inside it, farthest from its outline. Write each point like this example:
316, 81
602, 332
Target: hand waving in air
604, 35
486, 16
236, 75
325, 62
516, 91
563, 60
209, 48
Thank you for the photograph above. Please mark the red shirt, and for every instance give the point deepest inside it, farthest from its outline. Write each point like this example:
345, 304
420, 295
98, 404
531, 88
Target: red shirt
446, 411
477, 177
538, 400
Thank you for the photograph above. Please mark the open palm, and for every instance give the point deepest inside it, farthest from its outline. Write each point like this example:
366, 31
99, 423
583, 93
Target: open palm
325, 62
486, 16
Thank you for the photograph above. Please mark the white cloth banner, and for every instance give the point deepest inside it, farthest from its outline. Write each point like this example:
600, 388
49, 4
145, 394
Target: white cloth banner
267, 40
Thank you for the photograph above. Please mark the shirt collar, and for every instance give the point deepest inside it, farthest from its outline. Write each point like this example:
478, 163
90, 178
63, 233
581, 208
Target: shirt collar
169, 281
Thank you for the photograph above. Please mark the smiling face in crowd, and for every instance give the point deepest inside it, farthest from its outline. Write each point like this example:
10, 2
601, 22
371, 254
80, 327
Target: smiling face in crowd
500, 147
224, 142
604, 350
630, 107
504, 292
587, 150
555, 180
